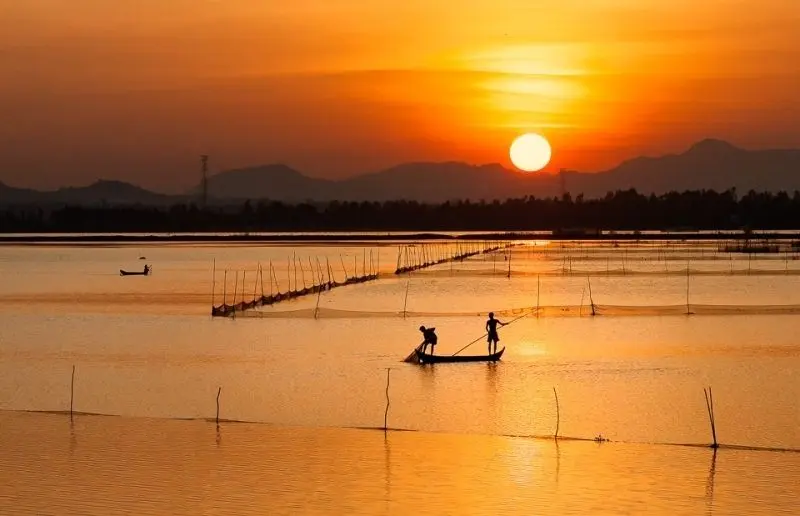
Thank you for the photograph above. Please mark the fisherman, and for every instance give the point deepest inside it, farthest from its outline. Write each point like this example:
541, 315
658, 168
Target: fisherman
430, 338
491, 331
146, 269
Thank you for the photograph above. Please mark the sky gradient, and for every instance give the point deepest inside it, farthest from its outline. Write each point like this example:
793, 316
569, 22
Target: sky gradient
136, 90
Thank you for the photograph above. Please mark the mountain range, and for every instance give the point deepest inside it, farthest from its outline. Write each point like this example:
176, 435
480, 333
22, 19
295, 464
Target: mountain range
708, 164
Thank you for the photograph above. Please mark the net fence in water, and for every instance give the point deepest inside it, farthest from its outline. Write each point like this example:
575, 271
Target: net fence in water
477, 272
587, 310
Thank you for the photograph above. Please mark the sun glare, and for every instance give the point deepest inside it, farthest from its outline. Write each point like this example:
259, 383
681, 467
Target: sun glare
530, 152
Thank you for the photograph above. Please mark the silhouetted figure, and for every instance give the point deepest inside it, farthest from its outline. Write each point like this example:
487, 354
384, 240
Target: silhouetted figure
146, 270
491, 330
430, 338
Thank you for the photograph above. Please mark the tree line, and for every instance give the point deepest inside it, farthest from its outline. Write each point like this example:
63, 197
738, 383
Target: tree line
621, 210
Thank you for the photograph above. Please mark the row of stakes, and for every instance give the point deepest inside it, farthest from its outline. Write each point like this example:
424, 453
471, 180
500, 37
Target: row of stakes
323, 278
709, 398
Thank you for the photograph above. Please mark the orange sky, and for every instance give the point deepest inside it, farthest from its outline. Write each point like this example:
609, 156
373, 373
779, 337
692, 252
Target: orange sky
135, 90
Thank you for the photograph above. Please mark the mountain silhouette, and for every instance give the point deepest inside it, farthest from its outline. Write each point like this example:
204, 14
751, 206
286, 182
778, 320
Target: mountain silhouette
97, 193
278, 182
709, 164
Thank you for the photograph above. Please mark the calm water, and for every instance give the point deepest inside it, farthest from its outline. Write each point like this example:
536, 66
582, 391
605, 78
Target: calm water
106, 465
147, 347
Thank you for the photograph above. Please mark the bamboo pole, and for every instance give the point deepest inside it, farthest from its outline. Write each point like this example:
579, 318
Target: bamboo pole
225, 288
71, 392
405, 299
710, 408
213, 280
538, 290
294, 261
271, 273
386, 412
591, 299
558, 413
302, 272
219, 391
343, 267
399, 254
235, 286
316, 308
255, 283
688, 311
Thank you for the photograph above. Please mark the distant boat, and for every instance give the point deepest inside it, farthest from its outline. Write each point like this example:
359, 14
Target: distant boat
146, 272
425, 358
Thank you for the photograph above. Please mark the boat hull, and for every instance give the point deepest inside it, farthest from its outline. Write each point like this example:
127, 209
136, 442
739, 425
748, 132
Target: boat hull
425, 358
128, 273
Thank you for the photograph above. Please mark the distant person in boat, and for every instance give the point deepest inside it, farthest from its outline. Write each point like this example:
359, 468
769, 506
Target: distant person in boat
491, 331
430, 338
146, 269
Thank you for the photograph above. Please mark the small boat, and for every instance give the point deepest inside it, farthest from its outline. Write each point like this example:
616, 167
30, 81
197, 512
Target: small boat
425, 358
145, 272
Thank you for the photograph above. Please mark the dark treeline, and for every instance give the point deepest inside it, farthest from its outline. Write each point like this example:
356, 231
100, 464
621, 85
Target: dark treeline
623, 210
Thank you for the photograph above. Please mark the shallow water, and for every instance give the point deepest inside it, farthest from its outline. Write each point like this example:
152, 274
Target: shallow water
147, 347
109, 465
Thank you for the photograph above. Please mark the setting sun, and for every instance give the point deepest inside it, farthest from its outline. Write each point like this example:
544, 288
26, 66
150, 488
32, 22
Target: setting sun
530, 152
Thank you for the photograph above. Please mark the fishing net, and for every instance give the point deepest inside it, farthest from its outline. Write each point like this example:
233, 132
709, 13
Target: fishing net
542, 311
519, 260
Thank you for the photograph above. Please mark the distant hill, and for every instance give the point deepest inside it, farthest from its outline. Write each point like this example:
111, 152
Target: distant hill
708, 164
440, 182
109, 192
100, 192
268, 182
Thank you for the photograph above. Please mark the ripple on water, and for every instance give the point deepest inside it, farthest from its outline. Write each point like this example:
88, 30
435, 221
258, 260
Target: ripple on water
103, 465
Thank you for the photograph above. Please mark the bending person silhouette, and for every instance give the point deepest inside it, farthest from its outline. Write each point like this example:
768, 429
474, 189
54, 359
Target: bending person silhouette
491, 330
430, 338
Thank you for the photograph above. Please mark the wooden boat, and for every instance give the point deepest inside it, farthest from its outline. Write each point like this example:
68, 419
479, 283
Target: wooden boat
425, 358
134, 273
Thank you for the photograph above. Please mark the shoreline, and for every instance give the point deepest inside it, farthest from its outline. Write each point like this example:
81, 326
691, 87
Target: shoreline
328, 237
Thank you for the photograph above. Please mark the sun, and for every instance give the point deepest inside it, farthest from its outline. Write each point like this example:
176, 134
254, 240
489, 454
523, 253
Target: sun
530, 152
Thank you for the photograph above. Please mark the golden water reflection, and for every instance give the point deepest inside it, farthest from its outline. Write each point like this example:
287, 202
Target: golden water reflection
103, 465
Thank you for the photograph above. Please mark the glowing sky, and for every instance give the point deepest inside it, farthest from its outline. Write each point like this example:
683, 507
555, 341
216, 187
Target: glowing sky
137, 89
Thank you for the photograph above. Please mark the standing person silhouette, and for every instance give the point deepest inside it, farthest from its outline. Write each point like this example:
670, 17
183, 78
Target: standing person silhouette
430, 338
491, 330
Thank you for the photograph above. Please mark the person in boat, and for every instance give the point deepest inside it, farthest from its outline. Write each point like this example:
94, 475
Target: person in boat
146, 269
430, 337
491, 331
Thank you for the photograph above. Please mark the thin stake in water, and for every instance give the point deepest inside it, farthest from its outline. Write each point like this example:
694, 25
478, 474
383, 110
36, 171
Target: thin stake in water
219, 391
710, 408
558, 413
213, 280
386, 412
71, 392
